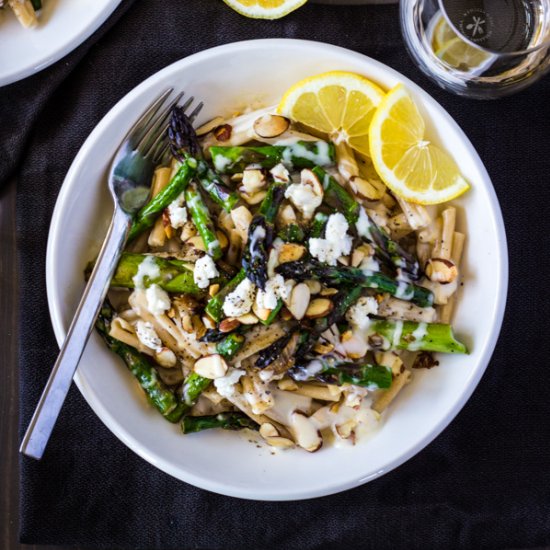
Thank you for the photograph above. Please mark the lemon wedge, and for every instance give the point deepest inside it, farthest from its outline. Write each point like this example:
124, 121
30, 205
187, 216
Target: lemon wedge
461, 55
442, 33
409, 164
264, 9
340, 104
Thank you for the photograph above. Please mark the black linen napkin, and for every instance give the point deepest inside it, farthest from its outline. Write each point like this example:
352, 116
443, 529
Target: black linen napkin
484, 482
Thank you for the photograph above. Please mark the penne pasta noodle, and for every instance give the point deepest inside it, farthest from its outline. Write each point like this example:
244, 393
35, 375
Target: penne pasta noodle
416, 214
323, 393
387, 396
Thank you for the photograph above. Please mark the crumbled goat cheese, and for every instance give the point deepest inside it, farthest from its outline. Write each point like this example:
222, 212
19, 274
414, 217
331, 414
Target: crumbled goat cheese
225, 385
358, 313
240, 301
363, 224
147, 268
177, 212
280, 173
148, 336
275, 288
158, 300
336, 242
205, 269
304, 198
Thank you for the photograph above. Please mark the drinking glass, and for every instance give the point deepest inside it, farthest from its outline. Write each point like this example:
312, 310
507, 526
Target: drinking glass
479, 48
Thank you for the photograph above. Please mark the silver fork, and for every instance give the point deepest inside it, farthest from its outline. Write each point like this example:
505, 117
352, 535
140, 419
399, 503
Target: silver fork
144, 147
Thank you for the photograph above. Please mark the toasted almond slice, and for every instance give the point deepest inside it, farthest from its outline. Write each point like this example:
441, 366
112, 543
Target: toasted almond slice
260, 312
207, 127
328, 291
280, 442
253, 180
346, 429
307, 434
357, 257
320, 307
213, 289
270, 126
286, 215
299, 301
290, 252
345, 336
166, 358
441, 271
323, 348
307, 177
268, 430
197, 243
314, 286
229, 324
211, 366
248, 319
255, 198
287, 384
208, 322
344, 260
222, 239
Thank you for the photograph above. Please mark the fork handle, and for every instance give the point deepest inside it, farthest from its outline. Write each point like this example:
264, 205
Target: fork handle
59, 382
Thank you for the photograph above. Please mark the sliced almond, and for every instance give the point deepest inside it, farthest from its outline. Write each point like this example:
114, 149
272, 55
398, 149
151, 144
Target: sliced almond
357, 257
248, 319
222, 239
213, 289
328, 291
319, 307
345, 336
199, 328
207, 127
241, 217
299, 301
237, 177
345, 430
291, 252
268, 430
344, 260
228, 325
223, 132
208, 322
314, 286
211, 366
441, 271
166, 358
270, 126
255, 198
285, 314
253, 180
307, 434
323, 348
307, 177
286, 215
187, 231
280, 442
197, 242
280, 173
365, 188
287, 384
260, 312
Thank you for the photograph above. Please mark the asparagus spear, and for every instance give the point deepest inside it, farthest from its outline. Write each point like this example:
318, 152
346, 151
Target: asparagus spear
413, 336
160, 396
146, 217
333, 372
203, 222
173, 275
317, 230
214, 307
338, 197
192, 387
303, 154
226, 421
230, 344
310, 268
215, 187
292, 233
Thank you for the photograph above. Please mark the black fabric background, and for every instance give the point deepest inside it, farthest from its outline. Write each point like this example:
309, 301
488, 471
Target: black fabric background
484, 482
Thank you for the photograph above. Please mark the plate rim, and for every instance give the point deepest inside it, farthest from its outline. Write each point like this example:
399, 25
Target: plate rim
227, 489
49, 58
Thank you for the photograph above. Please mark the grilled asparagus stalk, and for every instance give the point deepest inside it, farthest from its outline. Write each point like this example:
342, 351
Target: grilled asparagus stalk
159, 395
303, 154
310, 268
146, 217
225, 421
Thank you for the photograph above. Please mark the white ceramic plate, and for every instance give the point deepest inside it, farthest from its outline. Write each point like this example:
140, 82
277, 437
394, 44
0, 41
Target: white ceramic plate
226, 78
63, 25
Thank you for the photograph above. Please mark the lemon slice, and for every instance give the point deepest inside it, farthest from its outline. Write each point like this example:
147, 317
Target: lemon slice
264, 9
442, 33
411, 166
461, 55
337, 103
